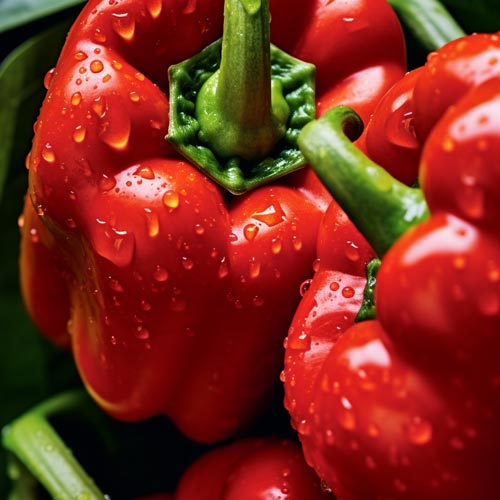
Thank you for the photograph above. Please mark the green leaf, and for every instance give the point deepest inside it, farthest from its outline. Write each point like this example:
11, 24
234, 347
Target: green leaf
477, 15
21, 93
15, 13
30, 368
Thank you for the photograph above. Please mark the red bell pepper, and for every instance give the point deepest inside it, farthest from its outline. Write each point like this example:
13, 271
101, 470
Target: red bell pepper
252, 468
406, 405
175, 296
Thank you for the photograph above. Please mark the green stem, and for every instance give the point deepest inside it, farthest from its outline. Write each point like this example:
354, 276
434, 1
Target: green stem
381, 207
37, 445
240, 111
429, 21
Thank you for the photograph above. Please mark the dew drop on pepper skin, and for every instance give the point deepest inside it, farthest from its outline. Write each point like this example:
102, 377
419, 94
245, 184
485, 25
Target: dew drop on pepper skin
250, 231
187, 263
96, 66
154, 8
171, 199
48, 154
48, 78
254, 268
76, 98
160, 274
79, 134
419, 431
106, 183
223, 270
152, 222
123, 25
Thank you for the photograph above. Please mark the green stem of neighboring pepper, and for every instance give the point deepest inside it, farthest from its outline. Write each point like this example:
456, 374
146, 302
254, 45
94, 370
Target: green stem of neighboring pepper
381, 207
429, 21
238, 111
36, 444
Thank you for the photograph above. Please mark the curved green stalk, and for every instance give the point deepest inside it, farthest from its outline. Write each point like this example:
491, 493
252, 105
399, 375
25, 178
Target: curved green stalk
36, 444
429, 21
380, 206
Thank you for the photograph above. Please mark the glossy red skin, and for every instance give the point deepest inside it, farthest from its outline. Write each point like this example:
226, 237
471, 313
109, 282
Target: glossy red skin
251, 469
409, 405
390, 137
177, 296
397, 130
330, 303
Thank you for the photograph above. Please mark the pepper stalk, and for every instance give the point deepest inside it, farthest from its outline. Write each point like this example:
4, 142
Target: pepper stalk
380, 206
237, 107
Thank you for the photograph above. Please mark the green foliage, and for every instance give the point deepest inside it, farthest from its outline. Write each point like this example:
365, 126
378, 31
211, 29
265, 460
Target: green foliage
477, 15
14, 13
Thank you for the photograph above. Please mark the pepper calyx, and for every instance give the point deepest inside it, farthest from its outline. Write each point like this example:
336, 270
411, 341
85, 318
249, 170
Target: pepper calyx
237, 107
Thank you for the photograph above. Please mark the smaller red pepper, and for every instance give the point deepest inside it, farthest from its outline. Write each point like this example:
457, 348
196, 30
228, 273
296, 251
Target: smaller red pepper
267, 468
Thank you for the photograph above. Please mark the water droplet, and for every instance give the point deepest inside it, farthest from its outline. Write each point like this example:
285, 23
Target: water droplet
190, 7
373, 430
79, 134
123, 25
304, 428
352, 251
48, 78
145, 173
142, 333
178, 304
223, 268
250, 231
187, 263
334, 286
117, 65
276, 246
296, 242
115, 285
271, 216
304, 287
99, 36
348, 292
117, 134
76, 98
160, 274
400, 486
106, 78
34, 236
70, 223
145, 305
258, 301
99, 106
171, 199
419, 431
199, 229
472, 201
154, 8
112, 244
300, 342
152, 222
134, 96
346, 418
107, 183
80, 56
254, 268
48, 154
96, 66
